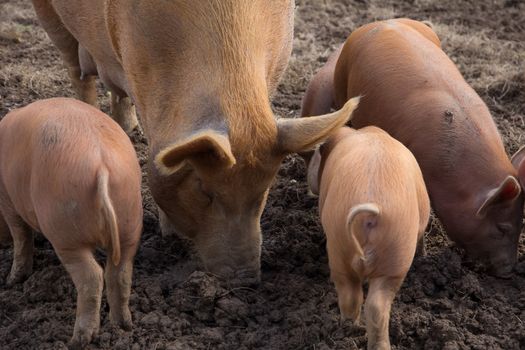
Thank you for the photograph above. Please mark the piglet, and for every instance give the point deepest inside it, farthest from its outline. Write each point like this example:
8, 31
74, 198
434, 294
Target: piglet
69, 171
374, 209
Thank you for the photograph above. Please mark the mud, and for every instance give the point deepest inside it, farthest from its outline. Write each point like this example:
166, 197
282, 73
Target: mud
445, 302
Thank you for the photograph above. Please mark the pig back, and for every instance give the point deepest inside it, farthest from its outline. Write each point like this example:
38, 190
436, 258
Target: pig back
53, 175
412, 90
369, 166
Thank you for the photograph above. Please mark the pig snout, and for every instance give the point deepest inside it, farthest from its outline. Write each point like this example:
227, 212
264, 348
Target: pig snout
236, 264
236, 276
503, 249
498, 262
502, 271
231, 253
502, 265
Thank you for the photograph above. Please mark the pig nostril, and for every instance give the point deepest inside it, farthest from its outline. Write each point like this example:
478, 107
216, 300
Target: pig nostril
237, 277
245, 278
247, 273
505, 272
224, 272
505, 276
248, 277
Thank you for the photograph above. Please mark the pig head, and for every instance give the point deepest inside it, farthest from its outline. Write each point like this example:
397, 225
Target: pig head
412, 90
482, 217
213, 190
200, 74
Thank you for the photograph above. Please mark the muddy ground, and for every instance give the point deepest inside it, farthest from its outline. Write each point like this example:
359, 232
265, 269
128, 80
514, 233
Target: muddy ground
443, 304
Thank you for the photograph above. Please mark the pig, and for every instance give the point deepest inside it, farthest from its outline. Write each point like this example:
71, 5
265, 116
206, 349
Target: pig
200, 74
374, 209
76, 179
413, 91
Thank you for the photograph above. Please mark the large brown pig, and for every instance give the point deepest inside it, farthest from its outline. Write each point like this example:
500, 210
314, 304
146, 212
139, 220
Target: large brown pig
374, 208
200, 74
412, 90
68, 171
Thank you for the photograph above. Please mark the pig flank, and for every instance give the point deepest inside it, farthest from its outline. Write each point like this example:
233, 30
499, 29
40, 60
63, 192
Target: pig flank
374, 207
201, 74
76, 179
412, 90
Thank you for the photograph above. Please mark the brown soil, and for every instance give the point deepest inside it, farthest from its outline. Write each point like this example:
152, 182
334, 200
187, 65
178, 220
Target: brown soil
444, 303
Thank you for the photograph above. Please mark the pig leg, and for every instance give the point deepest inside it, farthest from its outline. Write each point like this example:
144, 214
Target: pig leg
87, 277
23, 244
424, 214
381, 294
118, 284
166, 228
85, 87
123, 112
350, 297
68, 47
420, 248
5, 235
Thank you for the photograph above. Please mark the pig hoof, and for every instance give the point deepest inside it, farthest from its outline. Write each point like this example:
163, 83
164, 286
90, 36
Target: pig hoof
342, 320
133, 124
354, 319
126, 325
123, 322
81, 339
15, 278
130, 127
310, 194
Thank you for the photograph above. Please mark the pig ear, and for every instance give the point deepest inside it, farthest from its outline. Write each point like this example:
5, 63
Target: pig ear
303, 134
207, 148
519, 165
508, 191
518, 157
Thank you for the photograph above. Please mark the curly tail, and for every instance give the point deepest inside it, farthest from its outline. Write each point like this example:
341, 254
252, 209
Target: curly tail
352, 224
108, 214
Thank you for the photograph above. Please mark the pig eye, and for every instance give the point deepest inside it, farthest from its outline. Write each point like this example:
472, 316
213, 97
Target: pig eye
502, 230
209, 195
